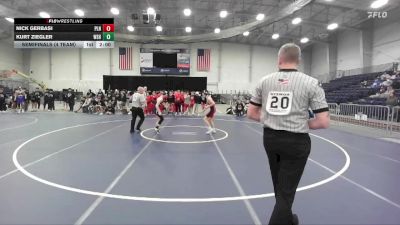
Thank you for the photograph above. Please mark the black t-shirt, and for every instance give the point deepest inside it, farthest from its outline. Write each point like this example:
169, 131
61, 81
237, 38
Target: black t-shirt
102, 103
91, 94
239, 106
197, 99
36, 96
114, 103
203, 99
95, 101
110, 108
64, 97
33, 97
51, 96
3, 97
171, 98
70, 97
124, 98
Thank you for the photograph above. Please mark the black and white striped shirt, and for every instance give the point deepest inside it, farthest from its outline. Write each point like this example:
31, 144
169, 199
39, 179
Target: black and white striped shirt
138, 100
285, 98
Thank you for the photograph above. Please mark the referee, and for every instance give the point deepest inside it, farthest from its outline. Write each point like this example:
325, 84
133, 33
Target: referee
138, 103
281, 103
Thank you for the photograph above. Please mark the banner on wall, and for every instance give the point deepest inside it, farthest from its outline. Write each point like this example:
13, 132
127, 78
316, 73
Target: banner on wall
183, 60
146, 60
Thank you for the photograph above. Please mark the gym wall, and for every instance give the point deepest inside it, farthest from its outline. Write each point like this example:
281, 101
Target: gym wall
233, 66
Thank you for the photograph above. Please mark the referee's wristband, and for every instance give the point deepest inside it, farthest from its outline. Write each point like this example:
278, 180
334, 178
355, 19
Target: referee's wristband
321, 110
256, 104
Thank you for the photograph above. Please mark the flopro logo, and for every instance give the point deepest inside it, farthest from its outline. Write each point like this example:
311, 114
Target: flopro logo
377, 15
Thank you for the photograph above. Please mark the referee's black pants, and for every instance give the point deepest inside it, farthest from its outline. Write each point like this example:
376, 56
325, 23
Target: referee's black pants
135, 113
287, 154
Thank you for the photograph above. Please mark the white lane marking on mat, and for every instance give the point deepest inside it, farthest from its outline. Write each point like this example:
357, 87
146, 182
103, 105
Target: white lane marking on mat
372, 154
23, 125
96, 203
154, 199
11, 142
249, 207
359, 185
59, 151
391, 140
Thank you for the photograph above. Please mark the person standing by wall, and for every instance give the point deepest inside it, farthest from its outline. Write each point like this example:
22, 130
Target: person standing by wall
281, 104
197, 103
20, 97
71, 100
3, 97
51, 100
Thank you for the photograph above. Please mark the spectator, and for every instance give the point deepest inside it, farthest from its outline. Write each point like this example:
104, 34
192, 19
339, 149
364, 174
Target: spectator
178, 102
381, 94
377, 83
385, 76
186, 103
65, 100
203, 100
90, 93
239, 109
171, 103
46, 99
3, 97
388, 82
364, 84
110, 109
51, 100
71, 99
100, 92
197, 103
392, 100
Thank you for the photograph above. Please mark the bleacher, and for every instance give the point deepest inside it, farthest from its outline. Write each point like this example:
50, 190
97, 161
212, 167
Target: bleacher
375, 101
348, 89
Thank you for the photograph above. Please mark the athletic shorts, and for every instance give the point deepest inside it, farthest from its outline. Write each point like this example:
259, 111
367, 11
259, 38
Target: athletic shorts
211, 113
20, 99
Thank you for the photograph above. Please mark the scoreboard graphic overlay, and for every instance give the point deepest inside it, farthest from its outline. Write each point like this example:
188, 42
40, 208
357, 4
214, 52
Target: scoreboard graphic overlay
64, 33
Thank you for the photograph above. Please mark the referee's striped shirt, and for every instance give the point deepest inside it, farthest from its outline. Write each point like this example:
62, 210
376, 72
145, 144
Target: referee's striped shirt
285, 98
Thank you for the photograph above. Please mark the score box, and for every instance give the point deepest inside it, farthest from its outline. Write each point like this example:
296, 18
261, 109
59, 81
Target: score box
108, 36
108, 27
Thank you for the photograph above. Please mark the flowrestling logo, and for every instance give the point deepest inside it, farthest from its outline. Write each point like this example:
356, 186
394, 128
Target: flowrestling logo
377, 15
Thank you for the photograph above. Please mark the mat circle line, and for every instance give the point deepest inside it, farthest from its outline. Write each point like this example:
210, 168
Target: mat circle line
154, 199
